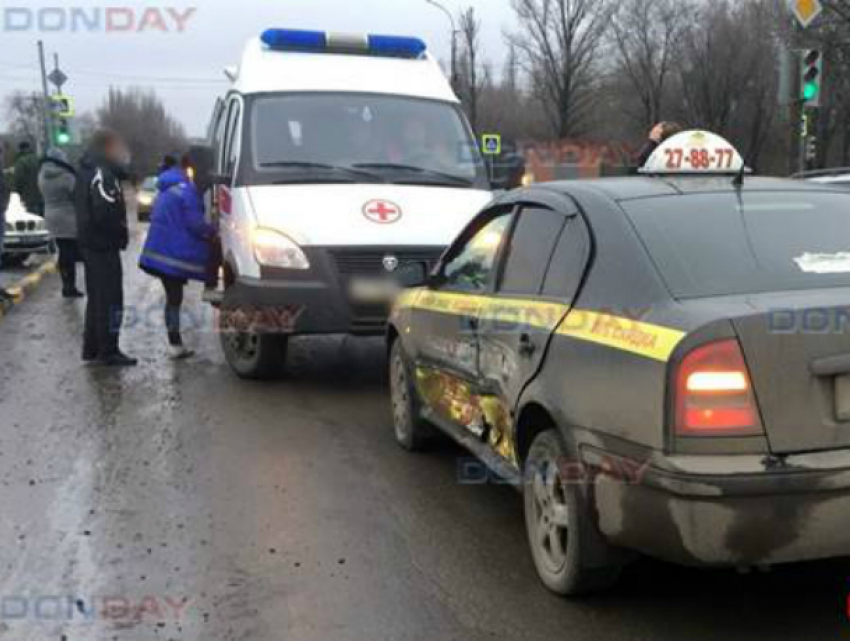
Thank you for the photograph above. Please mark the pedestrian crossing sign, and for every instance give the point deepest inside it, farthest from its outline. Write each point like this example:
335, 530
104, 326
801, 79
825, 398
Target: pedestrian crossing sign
492, 144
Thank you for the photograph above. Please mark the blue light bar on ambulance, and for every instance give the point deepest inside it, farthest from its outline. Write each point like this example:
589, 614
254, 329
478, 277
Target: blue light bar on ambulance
322, 42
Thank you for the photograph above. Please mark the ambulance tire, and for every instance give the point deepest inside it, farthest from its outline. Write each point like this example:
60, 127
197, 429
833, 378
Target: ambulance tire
254, 356
561, 533
412, 432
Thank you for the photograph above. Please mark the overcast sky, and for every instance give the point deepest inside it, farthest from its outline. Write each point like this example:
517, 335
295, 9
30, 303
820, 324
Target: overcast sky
186, 68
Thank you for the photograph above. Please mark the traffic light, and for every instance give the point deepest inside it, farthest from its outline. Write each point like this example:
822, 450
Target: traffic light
62, 133
812, 78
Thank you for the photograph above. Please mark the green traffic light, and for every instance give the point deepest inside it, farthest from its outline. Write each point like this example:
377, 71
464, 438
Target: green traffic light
63, 138
810, 91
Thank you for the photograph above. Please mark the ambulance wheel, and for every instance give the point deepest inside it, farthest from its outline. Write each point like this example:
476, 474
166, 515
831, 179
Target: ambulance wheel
561, 534
253, 355
411, 432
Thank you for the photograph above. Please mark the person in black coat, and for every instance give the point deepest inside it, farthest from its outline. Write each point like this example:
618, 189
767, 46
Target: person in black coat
103, 235
4, 204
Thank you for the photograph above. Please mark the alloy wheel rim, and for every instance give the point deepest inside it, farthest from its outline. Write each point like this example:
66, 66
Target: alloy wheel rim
551, 517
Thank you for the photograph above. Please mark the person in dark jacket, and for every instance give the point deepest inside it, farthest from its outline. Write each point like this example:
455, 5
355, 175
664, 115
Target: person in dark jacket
660, 133
25, 180
56, 181
103, 235
177, 247
4, 204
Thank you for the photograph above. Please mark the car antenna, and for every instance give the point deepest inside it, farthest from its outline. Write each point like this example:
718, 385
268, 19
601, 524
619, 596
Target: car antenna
738, 181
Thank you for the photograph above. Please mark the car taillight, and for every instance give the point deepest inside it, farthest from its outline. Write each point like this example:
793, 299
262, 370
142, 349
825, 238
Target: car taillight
714, 394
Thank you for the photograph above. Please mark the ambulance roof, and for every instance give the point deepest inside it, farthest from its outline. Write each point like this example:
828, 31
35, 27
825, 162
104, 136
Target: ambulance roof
267, 70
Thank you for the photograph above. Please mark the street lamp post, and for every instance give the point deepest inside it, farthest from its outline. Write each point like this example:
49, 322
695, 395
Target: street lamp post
454, 39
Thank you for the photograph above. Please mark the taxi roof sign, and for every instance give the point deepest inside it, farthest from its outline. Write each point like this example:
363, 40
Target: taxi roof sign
695, 152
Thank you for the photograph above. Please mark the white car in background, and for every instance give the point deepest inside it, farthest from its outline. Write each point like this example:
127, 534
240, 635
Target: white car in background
832, 177
26, 234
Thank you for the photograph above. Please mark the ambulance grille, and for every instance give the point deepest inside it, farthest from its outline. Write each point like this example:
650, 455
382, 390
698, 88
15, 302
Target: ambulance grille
362, 262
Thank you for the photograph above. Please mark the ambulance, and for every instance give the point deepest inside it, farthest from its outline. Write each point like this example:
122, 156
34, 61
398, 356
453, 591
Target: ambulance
337, 158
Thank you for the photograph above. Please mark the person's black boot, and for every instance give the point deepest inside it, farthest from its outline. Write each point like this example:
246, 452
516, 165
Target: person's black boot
72, 293
118, 360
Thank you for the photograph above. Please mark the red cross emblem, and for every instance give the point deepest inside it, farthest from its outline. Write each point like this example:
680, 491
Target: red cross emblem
382, 212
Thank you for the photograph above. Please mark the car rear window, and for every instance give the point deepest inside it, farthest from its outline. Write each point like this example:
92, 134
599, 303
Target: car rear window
725, 244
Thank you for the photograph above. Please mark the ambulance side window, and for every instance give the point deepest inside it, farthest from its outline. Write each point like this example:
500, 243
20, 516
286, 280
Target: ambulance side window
471, 266
232, 139
219, 123
530, 249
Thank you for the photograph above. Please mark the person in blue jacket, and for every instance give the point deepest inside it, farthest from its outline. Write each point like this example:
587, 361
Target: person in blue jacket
178, 245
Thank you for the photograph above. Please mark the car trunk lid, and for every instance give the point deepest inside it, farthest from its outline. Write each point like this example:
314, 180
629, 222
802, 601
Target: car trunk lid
797, 348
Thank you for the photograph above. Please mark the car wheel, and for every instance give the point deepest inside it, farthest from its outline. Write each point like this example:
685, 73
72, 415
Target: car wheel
411, 431
560, 531
251, 354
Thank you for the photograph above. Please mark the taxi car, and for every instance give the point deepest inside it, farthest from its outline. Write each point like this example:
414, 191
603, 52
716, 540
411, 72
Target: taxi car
660, 363
25, 234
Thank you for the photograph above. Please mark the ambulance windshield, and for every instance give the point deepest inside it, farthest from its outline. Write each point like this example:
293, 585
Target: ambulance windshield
336, 137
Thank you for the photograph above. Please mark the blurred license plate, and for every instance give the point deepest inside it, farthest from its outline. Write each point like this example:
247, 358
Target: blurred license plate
842, 398
373, 290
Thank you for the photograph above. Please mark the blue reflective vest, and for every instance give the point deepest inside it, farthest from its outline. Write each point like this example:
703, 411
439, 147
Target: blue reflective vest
178, 241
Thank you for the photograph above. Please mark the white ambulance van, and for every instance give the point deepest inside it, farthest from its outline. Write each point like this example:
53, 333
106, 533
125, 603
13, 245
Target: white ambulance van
338, 158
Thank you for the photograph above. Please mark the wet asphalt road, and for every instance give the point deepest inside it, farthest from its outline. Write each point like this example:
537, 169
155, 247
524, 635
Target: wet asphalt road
175, 502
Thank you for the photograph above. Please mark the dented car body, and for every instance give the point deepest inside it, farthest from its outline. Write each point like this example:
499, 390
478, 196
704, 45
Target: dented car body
660, 328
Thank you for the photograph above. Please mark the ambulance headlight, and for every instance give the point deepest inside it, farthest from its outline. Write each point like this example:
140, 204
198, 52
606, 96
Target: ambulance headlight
274, 249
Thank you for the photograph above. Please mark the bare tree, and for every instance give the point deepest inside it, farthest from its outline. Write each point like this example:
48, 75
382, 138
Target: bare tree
24, 115
474, 76
558, 42
728, 71
839, 8
647, 35
141, 117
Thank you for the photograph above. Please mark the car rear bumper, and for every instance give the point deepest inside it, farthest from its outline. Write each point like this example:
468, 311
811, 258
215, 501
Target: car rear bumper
796, 512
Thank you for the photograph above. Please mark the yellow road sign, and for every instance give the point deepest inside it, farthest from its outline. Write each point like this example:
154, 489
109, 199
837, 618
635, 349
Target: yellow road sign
806, 11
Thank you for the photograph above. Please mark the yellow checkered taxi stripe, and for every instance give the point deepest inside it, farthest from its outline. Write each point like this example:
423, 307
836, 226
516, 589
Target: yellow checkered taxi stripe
648, 340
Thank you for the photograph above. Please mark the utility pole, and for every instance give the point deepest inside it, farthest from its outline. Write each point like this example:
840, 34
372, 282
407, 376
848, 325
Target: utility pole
455, 32
45, 109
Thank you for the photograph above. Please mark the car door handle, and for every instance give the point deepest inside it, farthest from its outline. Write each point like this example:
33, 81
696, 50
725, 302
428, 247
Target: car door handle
526, 345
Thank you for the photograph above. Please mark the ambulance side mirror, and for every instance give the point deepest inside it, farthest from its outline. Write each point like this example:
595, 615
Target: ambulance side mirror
412, 275
221, 180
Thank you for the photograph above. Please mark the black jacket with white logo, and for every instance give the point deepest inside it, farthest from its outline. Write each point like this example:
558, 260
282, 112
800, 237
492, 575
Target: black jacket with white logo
101, 210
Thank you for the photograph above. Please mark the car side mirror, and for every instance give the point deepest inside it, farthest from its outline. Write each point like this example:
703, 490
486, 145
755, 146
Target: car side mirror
507, 171
224, 180
412, 275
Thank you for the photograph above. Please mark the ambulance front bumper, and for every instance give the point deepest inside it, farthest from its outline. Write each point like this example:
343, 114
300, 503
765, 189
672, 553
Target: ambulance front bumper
314, 301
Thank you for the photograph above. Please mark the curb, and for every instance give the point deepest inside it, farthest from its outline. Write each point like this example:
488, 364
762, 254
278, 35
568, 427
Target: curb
21, 289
